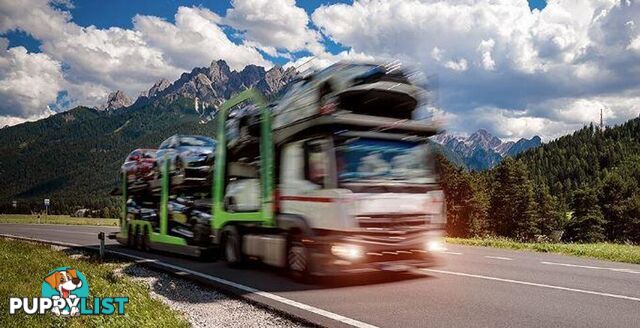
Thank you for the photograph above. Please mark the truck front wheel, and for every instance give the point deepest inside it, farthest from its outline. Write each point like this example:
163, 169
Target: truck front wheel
232, 247
298, 259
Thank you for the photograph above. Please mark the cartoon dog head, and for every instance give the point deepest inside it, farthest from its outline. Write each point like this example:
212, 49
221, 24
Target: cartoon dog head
64, 281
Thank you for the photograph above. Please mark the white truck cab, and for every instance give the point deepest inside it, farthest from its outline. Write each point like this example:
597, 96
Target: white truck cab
368, 201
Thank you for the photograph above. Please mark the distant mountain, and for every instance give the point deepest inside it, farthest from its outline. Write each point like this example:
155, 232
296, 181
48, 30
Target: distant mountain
482, 150
211, 86
116, 100
74, 157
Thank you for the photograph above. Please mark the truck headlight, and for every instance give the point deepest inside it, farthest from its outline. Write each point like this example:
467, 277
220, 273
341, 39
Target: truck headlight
347, 252
435, 245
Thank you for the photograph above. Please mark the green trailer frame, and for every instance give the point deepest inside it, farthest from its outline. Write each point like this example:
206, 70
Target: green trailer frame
220, 217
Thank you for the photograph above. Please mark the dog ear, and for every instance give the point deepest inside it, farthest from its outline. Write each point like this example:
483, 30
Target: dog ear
53, 280
72, 273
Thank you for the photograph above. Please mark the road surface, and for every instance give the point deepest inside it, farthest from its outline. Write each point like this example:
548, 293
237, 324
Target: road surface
475, 287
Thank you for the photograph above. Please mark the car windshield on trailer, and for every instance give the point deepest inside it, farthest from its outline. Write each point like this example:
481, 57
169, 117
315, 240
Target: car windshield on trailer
197, 141
377, 160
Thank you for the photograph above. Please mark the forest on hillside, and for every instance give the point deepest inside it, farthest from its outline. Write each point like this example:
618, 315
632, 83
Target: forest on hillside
74, 158
583, 187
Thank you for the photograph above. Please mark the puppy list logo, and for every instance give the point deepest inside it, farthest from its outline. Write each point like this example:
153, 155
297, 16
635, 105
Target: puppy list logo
65, 291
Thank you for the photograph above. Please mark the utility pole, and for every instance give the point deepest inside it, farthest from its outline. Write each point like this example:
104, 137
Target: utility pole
601, 123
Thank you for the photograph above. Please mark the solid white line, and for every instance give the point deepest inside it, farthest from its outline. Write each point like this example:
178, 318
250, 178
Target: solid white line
268, 295
629, 298
6, 235
115, 228
499, 258
277, 298
591, 267
63, 231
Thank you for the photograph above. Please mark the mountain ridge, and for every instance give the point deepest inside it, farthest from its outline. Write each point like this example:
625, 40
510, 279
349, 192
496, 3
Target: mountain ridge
211, 86
482, 150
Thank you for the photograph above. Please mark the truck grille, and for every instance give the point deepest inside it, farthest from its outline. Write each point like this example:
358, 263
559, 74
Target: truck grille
390, 223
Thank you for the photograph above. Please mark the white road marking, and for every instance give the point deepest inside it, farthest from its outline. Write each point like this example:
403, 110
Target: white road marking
451, 253
499, 258
63, 231
268, 295
526, 283
183, 271
113, 228
592, 267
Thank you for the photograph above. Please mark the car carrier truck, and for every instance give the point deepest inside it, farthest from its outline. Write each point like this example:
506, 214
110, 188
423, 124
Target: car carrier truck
331, 193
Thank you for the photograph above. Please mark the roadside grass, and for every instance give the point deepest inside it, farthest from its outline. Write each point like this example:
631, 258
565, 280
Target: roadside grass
56, 219
604, 251
23, 266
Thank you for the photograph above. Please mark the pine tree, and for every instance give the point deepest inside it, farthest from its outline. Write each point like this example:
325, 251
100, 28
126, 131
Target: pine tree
479, 206
512, 203
547, 211
587, 222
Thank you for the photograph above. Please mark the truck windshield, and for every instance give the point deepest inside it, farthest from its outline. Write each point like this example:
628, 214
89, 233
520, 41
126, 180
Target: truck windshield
375, 160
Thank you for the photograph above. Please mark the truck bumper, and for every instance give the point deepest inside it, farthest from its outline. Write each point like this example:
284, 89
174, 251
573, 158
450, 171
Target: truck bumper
405, 256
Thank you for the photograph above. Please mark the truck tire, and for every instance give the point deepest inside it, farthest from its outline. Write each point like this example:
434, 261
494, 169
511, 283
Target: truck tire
139, 241
145, 240
298, 259
232, 247
201, 234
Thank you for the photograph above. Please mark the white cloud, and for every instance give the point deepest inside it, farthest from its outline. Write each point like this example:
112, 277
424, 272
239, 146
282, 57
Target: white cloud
28, 84
194, 40
485, 48
499, 54
274, 24
97, 61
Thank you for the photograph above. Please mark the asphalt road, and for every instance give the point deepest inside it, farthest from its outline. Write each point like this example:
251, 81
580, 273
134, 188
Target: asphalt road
475, 287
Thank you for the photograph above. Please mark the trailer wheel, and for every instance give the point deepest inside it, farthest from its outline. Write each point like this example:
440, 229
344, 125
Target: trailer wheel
145, 240
232, 247
298, 259
201, 234
139, 241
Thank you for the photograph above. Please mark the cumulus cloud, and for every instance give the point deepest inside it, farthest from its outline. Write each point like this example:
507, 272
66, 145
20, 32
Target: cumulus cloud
536, 72
97, 61
274, 24
28, 84
195, 39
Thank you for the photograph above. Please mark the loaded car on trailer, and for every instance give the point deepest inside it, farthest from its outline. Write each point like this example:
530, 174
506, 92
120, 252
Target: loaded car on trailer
138, 167
190, 159
329, 192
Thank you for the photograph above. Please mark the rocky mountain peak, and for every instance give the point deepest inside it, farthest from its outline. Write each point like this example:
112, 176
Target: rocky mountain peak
482, 150
116, 100
215, 83
219, 71
158, 87
485, 139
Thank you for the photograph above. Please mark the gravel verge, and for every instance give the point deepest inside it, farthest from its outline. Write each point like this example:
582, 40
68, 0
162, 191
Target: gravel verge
204, 307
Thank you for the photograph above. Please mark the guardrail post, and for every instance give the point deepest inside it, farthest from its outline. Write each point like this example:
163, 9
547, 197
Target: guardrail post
101, 237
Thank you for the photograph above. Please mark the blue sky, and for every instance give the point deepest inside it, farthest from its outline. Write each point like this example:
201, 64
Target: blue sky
515, 68
105, 14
